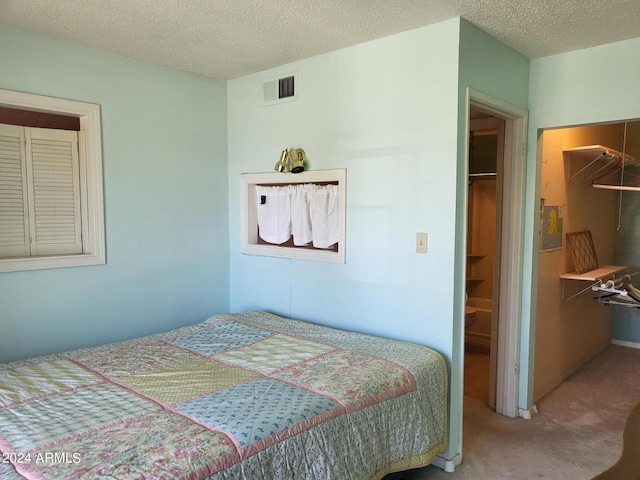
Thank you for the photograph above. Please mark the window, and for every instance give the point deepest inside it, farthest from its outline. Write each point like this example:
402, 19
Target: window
51, 204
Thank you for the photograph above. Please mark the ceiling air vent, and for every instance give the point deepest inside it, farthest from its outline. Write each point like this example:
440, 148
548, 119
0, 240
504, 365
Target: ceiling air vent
279, 89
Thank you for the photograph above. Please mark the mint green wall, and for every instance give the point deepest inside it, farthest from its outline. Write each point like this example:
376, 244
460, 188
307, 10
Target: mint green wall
594, 85
626, 322
165, 182
490, 67
387, 112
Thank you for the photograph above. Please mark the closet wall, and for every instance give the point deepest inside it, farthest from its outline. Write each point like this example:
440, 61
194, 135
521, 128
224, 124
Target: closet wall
569, 333
481, 236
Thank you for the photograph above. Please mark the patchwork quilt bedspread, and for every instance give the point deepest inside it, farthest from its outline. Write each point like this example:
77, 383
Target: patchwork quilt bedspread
239, 396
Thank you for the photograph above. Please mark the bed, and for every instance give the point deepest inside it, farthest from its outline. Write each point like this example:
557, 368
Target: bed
239, 396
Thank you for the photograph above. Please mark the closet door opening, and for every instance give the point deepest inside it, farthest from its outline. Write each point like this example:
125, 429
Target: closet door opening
589, 187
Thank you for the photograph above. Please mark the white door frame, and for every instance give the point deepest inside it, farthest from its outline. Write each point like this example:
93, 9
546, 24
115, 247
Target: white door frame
512, 223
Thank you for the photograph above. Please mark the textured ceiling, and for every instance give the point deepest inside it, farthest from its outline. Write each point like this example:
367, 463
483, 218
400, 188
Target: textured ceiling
230, 38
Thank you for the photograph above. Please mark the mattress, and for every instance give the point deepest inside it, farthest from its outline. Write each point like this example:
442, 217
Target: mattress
239, 396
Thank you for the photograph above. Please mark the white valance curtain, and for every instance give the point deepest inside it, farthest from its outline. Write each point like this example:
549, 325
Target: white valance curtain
306, 211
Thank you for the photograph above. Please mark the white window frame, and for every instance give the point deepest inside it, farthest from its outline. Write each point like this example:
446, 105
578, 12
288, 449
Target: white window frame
91, 191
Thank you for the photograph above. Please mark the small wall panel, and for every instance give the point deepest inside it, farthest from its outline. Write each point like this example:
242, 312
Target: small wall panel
250, 242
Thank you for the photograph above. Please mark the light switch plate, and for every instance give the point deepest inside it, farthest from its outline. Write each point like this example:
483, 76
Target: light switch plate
421, 242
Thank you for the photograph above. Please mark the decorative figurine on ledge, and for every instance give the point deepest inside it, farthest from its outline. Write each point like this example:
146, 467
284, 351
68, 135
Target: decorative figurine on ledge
291, 160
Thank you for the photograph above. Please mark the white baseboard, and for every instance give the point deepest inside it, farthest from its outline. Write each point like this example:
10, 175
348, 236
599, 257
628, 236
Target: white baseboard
624, 343
448, 466
528, 413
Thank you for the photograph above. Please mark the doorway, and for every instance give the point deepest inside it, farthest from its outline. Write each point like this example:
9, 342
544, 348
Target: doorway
509, 279
484, 208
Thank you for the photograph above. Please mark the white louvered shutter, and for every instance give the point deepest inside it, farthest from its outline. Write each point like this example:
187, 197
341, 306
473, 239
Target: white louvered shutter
14, 224
54, 193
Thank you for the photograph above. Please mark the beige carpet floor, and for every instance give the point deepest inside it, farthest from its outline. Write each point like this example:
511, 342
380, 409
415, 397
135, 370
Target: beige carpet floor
577, 433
